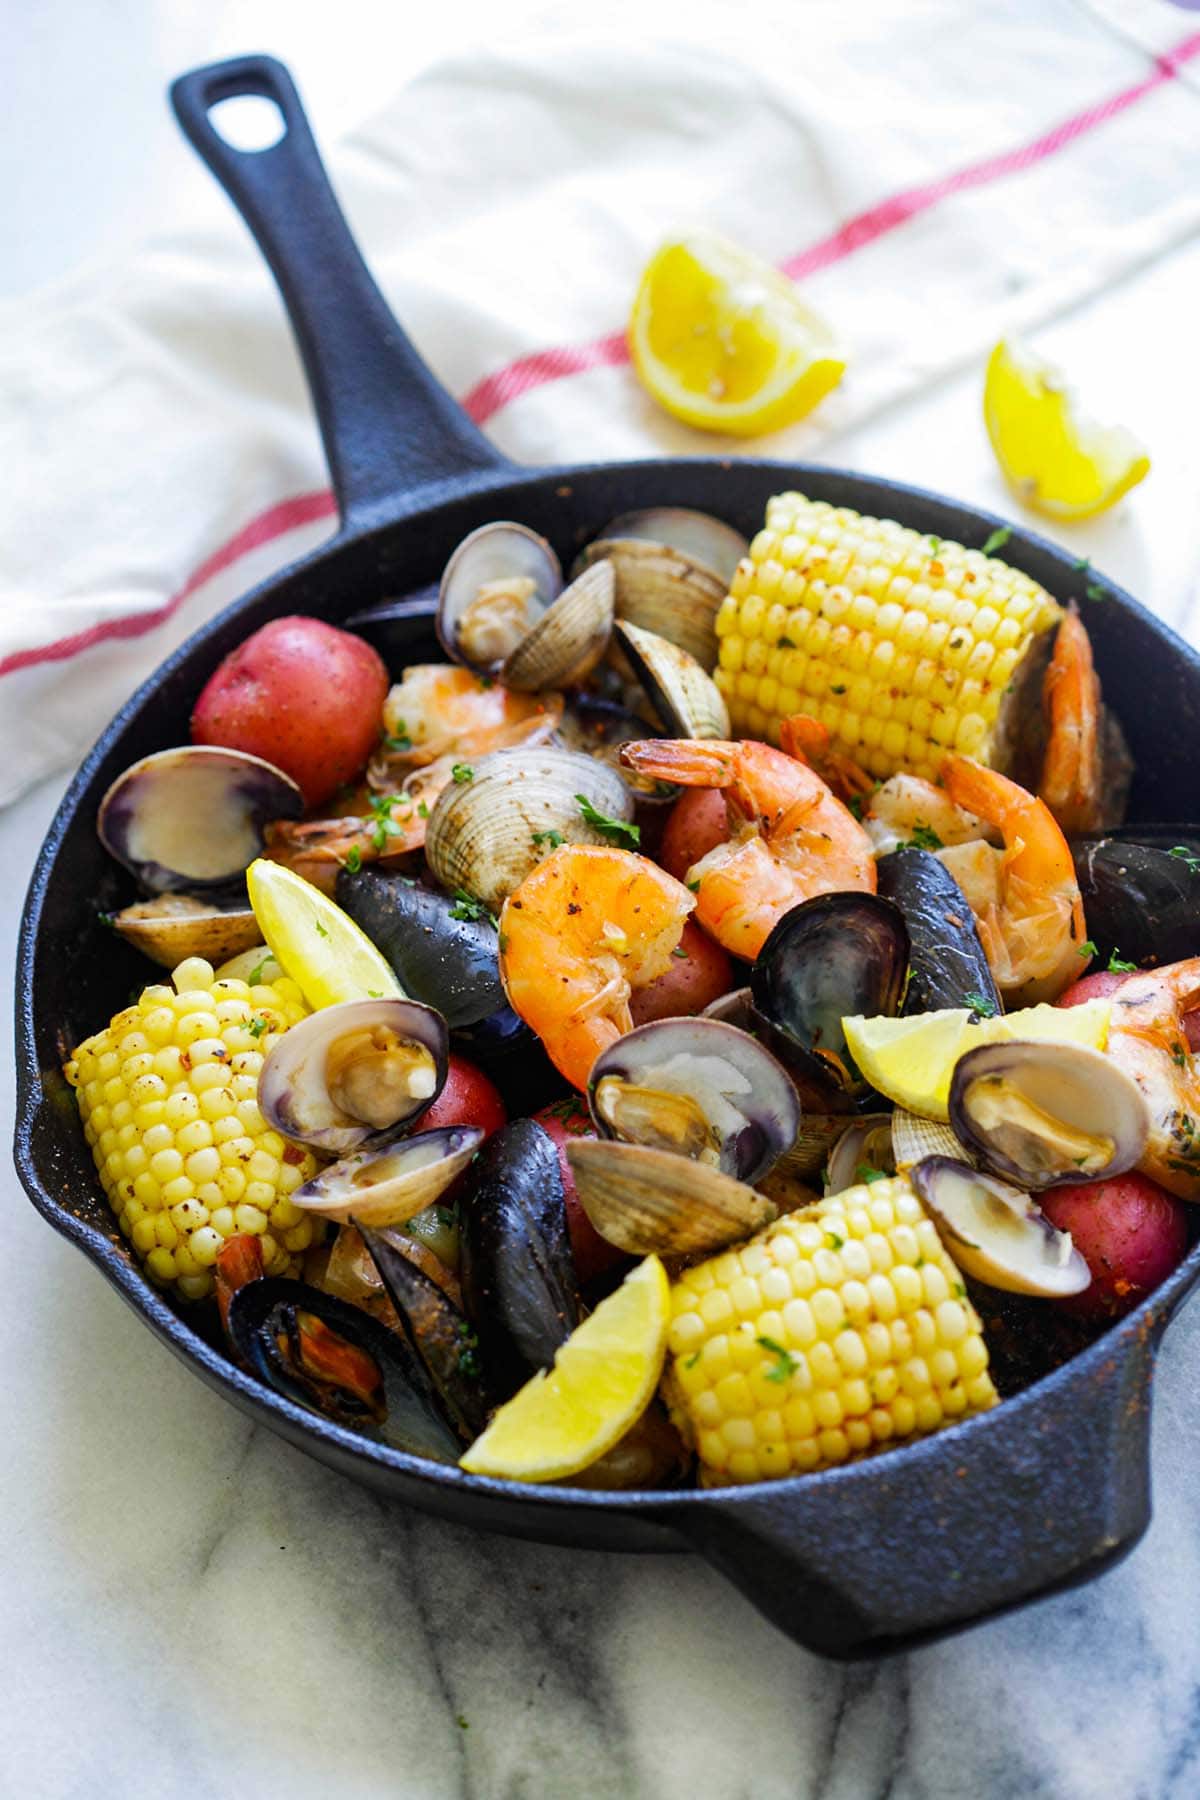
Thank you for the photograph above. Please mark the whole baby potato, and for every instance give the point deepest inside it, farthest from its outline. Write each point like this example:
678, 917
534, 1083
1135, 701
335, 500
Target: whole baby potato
1130, 1232
698, 822
302, 695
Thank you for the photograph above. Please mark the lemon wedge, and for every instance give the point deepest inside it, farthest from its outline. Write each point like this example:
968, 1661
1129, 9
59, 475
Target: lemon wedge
912, 1061
1055, 460
723, 341
603, 1379
319, 945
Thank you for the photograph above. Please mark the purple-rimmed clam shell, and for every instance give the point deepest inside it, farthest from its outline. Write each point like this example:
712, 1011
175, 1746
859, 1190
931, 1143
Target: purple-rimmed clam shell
997, 1233
747, 1098
191, 820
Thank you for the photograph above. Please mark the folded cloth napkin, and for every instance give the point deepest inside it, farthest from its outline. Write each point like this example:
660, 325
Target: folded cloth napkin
934, 175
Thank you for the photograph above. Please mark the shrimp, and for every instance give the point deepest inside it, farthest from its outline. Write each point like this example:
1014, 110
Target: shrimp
585, 929
1025, 898
808, 740
438, 710
1072, 771
1146, 1038
906, 810
791, 839
389, 827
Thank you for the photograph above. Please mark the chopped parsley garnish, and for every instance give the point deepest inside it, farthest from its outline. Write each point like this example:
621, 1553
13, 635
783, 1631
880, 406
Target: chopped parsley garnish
385, 826
422, 810
502, 946
997, 539
854, 805
354, 859
1094, 591
256, 974
833, 1240
553, 838
786, 643
693, 887
785, 1364
959, 1290
981, 1005
398, 739
689, 1362
924, 837
257, 1026
468, 907
865, 1172
1179, 1056
934, 542
319, 929
1118, 966
468, 1353
1186, 856
840, 688
1087, 949
462, 772
616, 829
680, 952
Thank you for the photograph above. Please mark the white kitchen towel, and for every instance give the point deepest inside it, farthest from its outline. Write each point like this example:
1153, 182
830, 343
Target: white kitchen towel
933, 173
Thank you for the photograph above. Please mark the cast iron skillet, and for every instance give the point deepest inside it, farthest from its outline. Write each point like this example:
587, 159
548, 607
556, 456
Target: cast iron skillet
1046, 1491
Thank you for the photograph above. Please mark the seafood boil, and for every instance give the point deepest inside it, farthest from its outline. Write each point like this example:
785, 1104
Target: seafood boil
685, 1036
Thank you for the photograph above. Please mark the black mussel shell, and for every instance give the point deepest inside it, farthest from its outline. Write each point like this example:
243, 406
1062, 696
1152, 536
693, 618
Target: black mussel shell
838, 956
451, 963
358, 1373
437, 1332
518, 1275
1140, 899
946, 962
809, 1076
403, 631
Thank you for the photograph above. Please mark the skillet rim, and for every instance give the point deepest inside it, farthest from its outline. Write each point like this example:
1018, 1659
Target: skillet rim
1146, 1321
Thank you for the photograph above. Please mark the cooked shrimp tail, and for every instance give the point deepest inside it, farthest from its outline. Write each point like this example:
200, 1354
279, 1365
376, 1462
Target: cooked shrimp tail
1072, 775
809, 741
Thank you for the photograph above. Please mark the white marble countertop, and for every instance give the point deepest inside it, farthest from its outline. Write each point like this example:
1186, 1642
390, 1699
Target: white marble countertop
189, 1607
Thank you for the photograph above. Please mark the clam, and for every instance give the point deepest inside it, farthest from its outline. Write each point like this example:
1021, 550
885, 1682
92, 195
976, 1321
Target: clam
518, 1275
350, 1075
998, 1234
437, 1332
684, 697
864, 1148
946, 958
915, 1138
171, 927
824, 1109
391, 1184
192, 820
650, 1201
335, 1360
837, 955
486, 834
1047, 1114
699, 1088
502, 609
673, 569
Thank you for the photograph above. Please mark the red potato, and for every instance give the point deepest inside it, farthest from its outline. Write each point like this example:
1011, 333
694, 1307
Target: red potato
698, 822
702, 974
468, 1098
1129, 1231
301, 694
562, 1121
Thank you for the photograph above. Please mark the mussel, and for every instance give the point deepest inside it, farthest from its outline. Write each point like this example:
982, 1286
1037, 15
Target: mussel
191, 820
437, 1332
334, 1360
351, 1075
402, 630
1141, 892
1046, 1114
518, 1276
487, 833
442, 953
700, 1088
502, 609
836, 956
391, 1184
946, 961
996, 1233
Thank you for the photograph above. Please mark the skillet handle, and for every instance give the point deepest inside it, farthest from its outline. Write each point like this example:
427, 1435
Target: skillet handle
390, 430
1043, 1493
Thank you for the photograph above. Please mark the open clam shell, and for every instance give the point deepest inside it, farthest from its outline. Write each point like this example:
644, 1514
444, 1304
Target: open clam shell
171, 927
915, 1138
390, 1184
192, 820
351, 1075
709, 543
698, 1088
1046, 1114
998, 1234
568, 640
683, 695
485, 835
673, 569
863, 1150
653, 1202
497, 584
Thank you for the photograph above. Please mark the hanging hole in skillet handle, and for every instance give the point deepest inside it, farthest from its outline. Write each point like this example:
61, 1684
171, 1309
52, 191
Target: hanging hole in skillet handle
393, 437
248, 122
1043, 1492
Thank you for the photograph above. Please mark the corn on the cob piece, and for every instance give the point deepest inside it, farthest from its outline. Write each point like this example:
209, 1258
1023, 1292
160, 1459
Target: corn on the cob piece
167, 1093
836, 1331
905, 646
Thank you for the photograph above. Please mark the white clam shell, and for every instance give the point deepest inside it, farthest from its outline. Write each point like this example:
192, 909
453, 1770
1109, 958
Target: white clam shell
652, 1202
